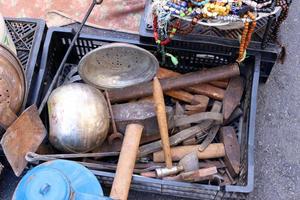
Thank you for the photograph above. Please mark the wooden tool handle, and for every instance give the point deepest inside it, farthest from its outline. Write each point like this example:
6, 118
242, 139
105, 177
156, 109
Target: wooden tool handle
181, 95
162, 121
215, 150
128, 154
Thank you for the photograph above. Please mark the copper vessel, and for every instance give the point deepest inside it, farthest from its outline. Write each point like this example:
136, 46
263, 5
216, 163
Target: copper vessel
12, 86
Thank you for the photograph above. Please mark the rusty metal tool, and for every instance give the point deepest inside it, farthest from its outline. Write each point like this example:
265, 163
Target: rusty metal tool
198, 101
142, 113
232, 149
177, 138
159, 101
20, 139
203, 88
186, 164
115, 135
27, 132
195, 176
127, 158
198, 117
217, 106
220, 83
229, 149
209, 137
173, 83
33, 157
233, 95
238, 112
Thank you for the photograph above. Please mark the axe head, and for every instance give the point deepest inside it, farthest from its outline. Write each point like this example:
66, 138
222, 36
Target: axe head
25, 134
232, 150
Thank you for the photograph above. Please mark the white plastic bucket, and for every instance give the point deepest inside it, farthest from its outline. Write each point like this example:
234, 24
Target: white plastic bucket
5, 37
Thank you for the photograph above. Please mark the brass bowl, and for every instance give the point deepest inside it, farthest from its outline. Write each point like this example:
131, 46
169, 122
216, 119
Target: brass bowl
117, 65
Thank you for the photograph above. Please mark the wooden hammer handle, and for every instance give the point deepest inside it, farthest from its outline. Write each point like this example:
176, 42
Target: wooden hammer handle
215, 150
128, 154
162, 121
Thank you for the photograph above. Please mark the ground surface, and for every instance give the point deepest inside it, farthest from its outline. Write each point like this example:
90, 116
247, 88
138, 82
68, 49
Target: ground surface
277, 152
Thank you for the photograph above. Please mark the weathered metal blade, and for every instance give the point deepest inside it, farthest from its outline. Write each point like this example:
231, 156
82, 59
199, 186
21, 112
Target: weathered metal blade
24, 135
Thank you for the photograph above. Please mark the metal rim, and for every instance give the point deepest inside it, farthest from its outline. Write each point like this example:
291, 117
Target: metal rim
12, 58
146, 77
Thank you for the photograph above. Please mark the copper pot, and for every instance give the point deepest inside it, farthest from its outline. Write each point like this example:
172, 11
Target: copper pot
78, 118
12, 86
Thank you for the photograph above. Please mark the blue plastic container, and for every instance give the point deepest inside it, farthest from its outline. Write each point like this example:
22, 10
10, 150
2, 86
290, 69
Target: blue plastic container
59, 180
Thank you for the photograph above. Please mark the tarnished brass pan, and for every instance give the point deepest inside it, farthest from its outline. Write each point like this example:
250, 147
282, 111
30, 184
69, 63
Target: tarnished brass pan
12, 86
117, 65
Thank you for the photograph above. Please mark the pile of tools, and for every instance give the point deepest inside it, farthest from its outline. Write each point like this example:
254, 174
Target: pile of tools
128, 115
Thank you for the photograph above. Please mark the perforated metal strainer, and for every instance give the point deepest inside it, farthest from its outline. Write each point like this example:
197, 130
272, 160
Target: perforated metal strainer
117, 65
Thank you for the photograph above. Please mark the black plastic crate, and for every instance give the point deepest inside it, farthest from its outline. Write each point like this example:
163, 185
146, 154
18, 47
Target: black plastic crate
224, 40
28, 35
56, 43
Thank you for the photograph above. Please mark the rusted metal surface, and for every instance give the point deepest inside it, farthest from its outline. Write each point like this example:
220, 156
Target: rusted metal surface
232, 149
238, 112
195, 176
159, 101
189, 162
115, 134
33, 157
173, 83
203, 89
220, 83
209, 138
127, 158
12, 87
196, 118
232, 96
139, 112
24, 135
197, 130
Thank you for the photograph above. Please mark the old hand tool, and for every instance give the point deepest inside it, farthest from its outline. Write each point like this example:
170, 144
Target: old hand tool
233, 95
159, 101
177, 138
229, 149
198, 101
24, 135
28, 128
198, 117
115, 135
195, 176
139, 112
122, 180
187, 163
203, 88
33, 157
173, 83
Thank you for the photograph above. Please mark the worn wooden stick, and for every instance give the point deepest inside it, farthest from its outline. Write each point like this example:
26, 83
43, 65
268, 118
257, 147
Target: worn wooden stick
162, 121
122, 180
